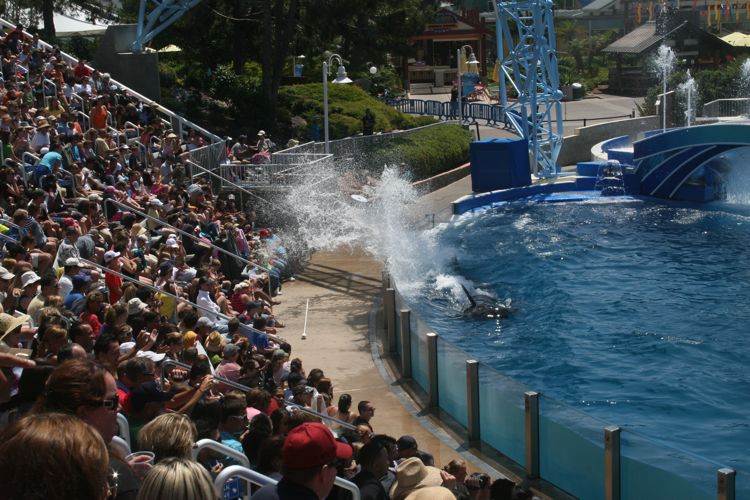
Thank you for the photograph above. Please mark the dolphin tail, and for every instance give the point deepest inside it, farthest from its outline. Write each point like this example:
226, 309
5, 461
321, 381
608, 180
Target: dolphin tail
468, 295
508, 302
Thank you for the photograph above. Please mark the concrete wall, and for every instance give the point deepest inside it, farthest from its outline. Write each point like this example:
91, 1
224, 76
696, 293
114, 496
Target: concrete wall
140, 72
577, 147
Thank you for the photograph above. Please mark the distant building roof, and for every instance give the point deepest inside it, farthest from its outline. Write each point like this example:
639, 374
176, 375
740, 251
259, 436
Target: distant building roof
637, 41
598, 5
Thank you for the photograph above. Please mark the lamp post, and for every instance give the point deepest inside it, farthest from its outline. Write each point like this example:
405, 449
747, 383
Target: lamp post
340, 78
297, 69
471, 63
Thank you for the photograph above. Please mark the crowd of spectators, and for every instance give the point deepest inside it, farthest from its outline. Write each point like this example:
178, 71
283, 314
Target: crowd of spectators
160, 318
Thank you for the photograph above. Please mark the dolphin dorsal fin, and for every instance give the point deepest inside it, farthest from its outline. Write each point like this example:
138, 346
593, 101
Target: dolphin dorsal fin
468, 295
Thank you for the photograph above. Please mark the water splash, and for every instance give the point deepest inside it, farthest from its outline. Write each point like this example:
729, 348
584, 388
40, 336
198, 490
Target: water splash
663, 64
745, 79
689, 91
384, 225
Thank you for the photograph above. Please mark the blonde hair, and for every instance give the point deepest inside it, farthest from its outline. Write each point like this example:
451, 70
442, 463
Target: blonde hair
170, 435
177, 479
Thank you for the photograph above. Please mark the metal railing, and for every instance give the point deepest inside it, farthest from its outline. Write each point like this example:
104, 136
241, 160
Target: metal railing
224, 181
210, 444
727, 107
120, 445
123, 429
261, 480
491, 114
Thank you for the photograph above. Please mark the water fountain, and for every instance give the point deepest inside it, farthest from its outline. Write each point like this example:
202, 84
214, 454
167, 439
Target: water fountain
745, 78
689, 89
663, 65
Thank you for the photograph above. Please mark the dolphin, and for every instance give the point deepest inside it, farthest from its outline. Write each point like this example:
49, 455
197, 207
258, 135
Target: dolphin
485, 309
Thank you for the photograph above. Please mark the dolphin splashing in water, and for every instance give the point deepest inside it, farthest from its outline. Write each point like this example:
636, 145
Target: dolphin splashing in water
484, 308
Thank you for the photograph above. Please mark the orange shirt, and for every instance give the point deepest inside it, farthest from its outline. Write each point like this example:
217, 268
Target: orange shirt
99, 117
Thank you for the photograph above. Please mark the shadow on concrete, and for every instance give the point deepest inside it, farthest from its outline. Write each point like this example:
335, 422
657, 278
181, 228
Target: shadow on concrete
338, 280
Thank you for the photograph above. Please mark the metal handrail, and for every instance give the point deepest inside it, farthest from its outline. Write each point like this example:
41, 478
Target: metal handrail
72, 176
176, 297
179, 364
7, 238
35, 157
248, 475
210, 444
224, 179
123, 429
310, 411
244, 388
184, 233
120, 445
259, 479
86, 121
47, 81
75, 97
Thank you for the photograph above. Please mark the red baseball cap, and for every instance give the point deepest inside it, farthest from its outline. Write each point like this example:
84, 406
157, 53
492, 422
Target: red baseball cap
312, 444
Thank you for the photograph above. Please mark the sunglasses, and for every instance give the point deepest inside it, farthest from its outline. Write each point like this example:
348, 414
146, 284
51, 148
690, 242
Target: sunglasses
110, 403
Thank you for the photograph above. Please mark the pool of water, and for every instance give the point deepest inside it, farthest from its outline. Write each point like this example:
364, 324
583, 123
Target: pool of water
636, 312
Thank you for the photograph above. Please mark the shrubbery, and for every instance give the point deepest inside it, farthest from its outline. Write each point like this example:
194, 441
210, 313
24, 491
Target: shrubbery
346, 107
426, 152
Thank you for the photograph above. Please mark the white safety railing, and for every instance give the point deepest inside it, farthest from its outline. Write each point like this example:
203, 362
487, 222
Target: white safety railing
120, 445
123, 429
727, 107
210, 444
256, 478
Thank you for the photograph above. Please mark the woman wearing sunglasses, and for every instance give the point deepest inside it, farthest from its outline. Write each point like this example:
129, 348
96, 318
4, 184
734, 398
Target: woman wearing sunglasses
87, 390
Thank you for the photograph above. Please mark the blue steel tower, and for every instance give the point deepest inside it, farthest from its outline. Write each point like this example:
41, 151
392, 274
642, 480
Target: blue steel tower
528, 66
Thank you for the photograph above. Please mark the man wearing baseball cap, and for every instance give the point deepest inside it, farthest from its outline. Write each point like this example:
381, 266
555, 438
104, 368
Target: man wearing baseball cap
310, 457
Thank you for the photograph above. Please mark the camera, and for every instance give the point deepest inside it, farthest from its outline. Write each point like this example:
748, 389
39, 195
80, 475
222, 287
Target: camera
478, 481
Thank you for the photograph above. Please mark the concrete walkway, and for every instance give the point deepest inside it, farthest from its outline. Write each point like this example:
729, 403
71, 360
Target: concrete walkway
341, 287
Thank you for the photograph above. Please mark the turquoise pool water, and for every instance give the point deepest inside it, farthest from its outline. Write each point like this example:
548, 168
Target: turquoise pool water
634, 312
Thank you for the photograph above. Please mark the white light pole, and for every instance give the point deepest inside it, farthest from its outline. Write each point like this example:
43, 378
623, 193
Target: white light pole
340, 78
472, 61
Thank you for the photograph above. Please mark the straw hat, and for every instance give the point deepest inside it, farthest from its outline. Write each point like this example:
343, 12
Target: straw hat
43, 123
215, 342
412, 474
9, 323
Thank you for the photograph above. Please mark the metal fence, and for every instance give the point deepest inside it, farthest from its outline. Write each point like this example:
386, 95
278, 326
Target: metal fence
292, 164
472, 112
727, 107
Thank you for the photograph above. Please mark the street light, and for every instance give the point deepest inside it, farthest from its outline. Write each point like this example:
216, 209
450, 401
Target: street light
471, 68
340, 78
297, 68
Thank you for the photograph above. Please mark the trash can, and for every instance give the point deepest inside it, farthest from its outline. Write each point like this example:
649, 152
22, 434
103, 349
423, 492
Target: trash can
577, 91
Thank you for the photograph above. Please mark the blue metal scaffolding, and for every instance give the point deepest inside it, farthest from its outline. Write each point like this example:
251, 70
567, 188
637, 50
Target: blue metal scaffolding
528, 67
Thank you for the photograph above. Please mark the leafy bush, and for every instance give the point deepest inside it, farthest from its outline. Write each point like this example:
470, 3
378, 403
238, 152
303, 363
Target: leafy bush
426, 152
346, 107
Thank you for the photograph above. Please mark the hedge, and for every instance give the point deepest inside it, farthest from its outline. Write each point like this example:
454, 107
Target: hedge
346, 107
426, 152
